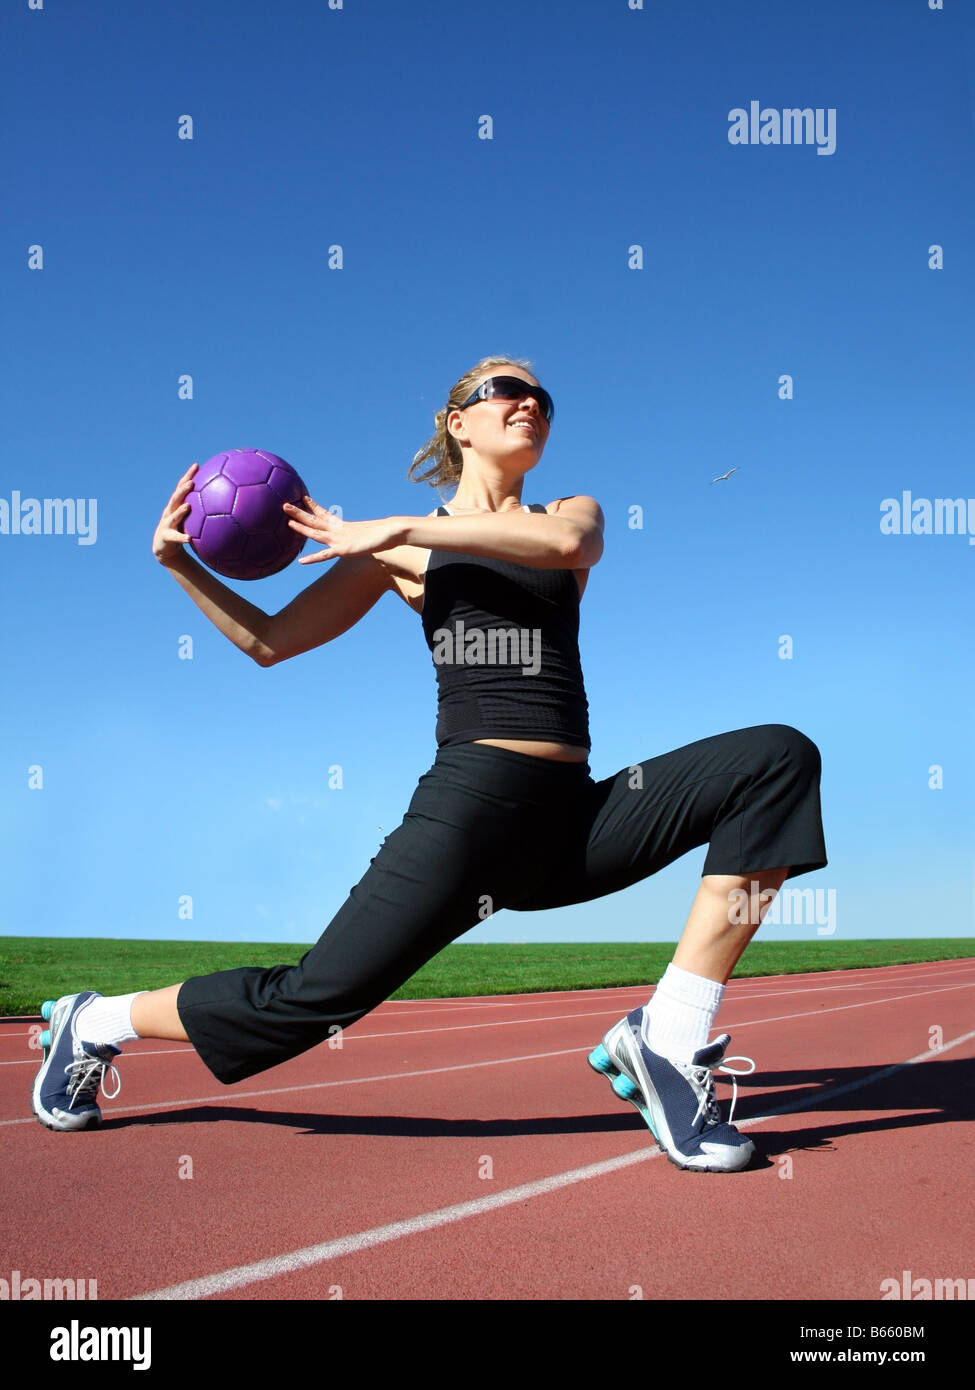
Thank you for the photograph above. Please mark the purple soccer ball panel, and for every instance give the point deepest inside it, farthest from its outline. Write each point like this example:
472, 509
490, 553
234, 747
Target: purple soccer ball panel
286, 483
210, 469
257, 510
193, 524
221, 538
217, 496
263, 554
245, 466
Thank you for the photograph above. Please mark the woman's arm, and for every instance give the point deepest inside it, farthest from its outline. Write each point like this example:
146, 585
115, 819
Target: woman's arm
570, 539
324, 610
243, 623
321, 612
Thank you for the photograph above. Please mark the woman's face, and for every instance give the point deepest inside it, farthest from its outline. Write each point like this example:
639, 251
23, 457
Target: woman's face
503, 428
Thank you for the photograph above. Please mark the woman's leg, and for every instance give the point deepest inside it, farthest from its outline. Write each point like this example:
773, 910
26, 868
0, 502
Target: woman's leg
713, 940
677, 1021
458, 847
155, 1015
752, 796
464, 849
717, 930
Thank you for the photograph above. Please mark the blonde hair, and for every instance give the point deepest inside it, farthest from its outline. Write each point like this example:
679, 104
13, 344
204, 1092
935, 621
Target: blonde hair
442, 448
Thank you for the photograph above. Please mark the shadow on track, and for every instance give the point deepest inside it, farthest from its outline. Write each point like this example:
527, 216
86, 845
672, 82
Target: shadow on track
933, 1092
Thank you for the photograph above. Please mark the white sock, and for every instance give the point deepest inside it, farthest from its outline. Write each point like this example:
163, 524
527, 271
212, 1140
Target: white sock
108, 1020
679, 1017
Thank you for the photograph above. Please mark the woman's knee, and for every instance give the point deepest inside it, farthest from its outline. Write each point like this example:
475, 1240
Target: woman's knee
783, 742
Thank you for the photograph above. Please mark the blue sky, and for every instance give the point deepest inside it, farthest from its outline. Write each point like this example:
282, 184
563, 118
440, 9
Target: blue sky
164, 258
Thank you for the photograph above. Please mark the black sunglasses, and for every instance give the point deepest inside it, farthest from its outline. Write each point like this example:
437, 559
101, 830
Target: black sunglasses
511, 388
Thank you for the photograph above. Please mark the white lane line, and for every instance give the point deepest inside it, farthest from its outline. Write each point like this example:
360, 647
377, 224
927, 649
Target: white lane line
499, 1061
511, 1001
452, 1027
611, 1012
843, 1008
949, 963
817, 982
417, 1032
160, 1052
462, 1003
349, 1245
804, 1102
813, 979
552, 1018
226, 1099
237, 1278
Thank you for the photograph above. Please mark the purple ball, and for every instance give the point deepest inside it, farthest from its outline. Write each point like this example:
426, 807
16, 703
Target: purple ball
236, 521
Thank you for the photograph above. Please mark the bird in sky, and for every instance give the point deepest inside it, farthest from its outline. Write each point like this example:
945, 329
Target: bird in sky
724, 475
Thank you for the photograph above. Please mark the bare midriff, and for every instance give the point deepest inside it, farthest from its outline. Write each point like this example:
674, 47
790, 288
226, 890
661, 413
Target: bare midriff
560, 752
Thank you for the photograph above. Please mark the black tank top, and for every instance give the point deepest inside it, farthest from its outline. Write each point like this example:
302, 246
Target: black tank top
505, 645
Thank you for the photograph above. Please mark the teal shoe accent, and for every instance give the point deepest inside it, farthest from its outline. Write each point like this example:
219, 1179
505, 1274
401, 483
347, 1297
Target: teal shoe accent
625, 1088
599, 1060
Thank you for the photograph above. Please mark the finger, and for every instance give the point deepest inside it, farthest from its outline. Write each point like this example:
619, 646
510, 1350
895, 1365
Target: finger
322, 514
291, 507
183, 487
319, 555
312, 532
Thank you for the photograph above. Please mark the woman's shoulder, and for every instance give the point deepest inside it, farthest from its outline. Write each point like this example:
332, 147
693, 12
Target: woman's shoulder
578, 502
586, 510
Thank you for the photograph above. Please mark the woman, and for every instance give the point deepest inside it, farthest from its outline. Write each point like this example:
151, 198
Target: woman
508, 815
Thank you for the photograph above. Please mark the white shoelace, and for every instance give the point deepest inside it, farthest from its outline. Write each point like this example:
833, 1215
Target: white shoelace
703, 1078
83, 1083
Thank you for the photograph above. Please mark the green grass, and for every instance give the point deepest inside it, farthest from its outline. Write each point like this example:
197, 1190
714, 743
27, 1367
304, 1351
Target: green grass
33, 969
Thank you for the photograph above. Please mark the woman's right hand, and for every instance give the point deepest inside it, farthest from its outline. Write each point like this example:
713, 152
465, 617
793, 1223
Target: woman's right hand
168, 541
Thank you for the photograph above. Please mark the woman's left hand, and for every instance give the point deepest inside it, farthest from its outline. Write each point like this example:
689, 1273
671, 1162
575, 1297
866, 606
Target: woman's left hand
340, 537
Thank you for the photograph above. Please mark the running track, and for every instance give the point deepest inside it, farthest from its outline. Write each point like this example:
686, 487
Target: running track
463, 1149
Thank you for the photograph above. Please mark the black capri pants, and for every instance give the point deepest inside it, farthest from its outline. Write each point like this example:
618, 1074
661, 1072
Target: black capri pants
489, 828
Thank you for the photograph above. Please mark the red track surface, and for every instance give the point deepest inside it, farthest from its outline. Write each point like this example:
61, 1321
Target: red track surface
463, 1149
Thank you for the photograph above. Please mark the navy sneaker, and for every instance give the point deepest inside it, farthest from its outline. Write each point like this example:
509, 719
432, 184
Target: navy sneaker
676, 1100
72, 1070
